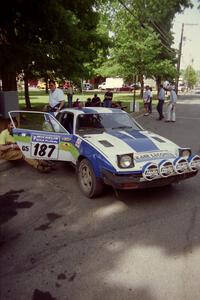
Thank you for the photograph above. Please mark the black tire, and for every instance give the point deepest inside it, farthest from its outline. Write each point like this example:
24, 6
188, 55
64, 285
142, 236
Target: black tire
89, 184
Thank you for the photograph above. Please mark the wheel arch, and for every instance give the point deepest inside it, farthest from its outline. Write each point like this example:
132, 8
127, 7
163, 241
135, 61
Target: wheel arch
93, 162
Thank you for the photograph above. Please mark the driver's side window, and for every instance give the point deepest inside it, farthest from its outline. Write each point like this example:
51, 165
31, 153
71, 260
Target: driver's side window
51, 125
67, 120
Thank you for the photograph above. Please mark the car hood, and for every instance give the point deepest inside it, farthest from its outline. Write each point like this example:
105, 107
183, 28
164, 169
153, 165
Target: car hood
112, 143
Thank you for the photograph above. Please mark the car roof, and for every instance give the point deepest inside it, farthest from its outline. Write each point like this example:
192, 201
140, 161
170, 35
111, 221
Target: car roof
93, 110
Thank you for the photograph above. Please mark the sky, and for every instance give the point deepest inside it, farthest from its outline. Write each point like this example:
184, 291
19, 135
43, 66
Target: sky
191, 34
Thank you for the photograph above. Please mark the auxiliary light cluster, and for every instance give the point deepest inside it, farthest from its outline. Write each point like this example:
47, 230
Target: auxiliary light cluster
167, 168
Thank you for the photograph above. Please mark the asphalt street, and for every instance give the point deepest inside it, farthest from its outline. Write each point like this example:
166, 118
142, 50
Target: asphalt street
138, 245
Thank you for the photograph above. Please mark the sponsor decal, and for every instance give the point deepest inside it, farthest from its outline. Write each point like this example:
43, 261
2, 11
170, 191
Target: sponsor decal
25, 148
78, 143
145, 156
65, 139
69, 147
50, 139
44, 146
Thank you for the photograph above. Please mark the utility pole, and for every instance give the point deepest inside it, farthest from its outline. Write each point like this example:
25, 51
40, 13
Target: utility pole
180, 53
179, 58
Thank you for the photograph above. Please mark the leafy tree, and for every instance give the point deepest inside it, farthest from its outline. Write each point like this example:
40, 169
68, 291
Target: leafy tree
59, 36
190, 76
142, 38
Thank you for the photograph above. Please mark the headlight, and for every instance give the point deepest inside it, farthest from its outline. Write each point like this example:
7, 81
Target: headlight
185, 152
125, 161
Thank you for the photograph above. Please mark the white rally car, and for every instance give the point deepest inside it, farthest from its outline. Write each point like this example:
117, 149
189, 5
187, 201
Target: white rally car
106, 146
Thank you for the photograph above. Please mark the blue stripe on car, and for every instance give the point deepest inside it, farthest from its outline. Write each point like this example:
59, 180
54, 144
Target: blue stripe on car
89, 110
92, 110
95, 157
140, 142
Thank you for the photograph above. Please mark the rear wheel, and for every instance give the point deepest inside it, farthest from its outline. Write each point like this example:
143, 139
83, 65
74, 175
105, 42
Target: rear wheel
89, 184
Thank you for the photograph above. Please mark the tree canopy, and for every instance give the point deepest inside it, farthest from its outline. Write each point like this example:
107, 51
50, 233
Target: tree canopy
59, 36
70, 39
190, 76
142, 38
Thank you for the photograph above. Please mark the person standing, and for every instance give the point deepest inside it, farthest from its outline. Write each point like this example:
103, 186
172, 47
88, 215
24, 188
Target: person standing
70, 93
56, 97
107, 102
171, 108
150, 101
146, 99
161, 99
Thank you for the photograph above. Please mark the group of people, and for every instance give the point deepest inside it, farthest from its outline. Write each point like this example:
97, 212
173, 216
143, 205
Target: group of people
57, 99
171, 107
96, 101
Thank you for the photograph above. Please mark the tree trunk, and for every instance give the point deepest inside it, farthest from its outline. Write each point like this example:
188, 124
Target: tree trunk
46, 85
141, 79
9, 82
26, 93
158, 83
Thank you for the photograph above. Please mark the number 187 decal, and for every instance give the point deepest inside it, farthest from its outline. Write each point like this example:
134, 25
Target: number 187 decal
44, 150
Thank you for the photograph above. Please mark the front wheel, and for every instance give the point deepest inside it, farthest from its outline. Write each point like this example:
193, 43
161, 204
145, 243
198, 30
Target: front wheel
89, 184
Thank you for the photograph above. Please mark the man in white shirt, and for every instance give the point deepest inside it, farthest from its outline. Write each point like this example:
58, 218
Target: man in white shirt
171, 109
56, 97
146, 99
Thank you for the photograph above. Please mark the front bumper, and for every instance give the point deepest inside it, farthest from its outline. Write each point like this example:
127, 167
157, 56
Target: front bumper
136, 181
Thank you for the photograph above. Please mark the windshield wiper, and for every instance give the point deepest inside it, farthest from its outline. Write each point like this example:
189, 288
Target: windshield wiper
122, 127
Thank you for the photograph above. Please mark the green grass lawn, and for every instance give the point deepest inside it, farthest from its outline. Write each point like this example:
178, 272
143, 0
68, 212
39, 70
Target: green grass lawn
39, 98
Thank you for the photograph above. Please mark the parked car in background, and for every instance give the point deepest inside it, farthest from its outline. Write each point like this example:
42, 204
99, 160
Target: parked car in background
135, 86
197, 90
124, 88
106, 147
87, 86
102, 86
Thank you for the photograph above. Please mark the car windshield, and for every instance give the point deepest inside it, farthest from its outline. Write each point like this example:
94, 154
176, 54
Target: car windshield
98, 123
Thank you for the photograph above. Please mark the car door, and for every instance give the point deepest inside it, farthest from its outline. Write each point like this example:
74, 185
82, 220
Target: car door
39, 135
